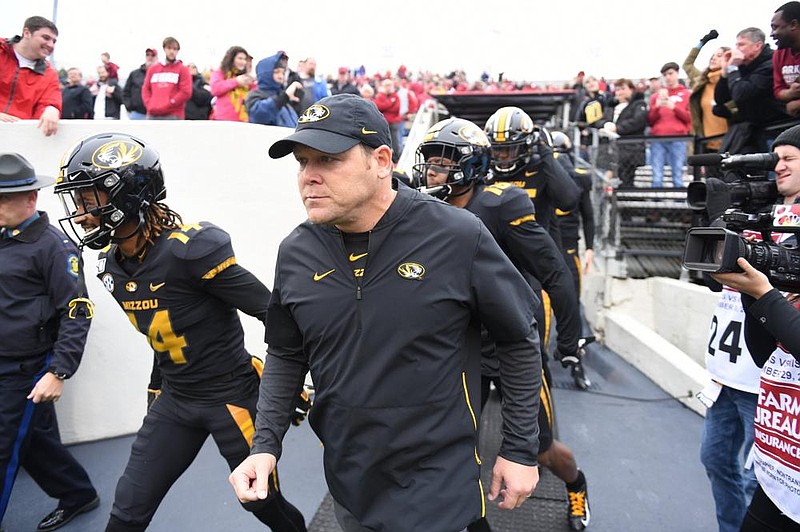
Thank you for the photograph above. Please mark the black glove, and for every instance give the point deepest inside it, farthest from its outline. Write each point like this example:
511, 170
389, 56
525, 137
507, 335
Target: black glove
302, 404
711, 35
544, 149
152, 395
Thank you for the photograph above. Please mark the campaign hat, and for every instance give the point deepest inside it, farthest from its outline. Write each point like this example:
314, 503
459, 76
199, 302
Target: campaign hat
18, 175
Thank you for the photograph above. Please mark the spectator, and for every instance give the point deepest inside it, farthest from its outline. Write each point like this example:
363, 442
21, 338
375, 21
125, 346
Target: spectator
388, 102
367, 92
653, 86
314, 89
408, 108
29, 87
111, 68
269, 104
626, 116
76, 98
231, 84
107, 96
43, 342
747, 80
167, 86
132, 94
669, 115
701, 102
786, 59
589, 112
198, 107
342, 85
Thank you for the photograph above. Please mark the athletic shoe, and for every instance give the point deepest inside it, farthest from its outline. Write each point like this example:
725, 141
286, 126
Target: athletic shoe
578, 508
579, 376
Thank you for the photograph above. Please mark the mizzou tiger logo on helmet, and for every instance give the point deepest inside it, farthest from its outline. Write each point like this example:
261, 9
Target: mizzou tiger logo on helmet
116, 154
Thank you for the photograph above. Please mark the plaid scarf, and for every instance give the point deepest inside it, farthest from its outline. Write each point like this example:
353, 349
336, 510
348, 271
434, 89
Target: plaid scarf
238, 96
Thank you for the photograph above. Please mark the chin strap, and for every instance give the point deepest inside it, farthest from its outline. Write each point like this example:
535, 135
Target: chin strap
81, 305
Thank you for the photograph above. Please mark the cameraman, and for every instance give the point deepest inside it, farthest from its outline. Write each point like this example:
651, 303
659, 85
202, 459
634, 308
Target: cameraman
772, 334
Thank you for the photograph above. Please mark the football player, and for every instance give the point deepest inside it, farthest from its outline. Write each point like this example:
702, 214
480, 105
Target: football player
452, 163
570, 222
522, 154
179, 285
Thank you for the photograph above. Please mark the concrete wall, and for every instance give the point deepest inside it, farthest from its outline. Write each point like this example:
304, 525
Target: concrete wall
214, 171
659, 325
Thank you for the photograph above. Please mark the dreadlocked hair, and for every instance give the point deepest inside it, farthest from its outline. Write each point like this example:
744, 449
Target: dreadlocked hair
157, 219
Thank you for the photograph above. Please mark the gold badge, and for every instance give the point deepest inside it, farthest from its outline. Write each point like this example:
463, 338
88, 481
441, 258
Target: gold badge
131, 286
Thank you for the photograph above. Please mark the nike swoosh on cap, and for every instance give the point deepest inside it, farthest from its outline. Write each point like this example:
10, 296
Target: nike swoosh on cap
365, 131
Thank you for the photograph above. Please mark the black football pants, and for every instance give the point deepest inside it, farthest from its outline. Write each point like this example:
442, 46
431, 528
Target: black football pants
171, 435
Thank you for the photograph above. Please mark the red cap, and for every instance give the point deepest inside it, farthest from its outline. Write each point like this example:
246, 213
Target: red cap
343, 70
151, 51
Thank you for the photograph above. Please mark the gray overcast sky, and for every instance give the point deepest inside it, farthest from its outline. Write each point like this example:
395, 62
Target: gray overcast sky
532, 40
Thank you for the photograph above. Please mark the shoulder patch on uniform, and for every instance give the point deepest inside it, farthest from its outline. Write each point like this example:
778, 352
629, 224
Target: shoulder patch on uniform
108, 281
101, 265
73, 265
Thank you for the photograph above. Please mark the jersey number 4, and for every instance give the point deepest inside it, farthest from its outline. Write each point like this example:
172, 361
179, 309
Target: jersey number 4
728, 340
161, 336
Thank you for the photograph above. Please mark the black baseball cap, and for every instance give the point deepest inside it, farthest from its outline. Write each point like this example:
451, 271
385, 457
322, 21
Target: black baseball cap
334, 125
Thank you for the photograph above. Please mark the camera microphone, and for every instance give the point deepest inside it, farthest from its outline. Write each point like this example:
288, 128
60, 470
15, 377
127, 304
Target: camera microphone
705, 159
763, 161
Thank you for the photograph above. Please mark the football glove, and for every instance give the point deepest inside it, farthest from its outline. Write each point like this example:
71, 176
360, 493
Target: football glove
302, 405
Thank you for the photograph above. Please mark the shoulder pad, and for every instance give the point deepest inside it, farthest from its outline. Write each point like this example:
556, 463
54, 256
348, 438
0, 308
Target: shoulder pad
196, 240
513, 201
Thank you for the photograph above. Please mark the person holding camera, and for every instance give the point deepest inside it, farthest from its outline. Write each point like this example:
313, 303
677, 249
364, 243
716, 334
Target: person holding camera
270, 103
770, 331
702, 84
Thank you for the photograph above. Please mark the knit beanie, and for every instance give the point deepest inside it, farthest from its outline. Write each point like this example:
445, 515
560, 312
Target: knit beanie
791, 137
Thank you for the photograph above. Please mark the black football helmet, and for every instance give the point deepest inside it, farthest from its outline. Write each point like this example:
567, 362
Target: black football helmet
463, 145
112, 176
511, 132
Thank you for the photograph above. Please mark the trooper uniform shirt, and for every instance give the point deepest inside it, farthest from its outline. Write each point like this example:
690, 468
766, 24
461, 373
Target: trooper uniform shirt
392, 350
183, 297
39, 280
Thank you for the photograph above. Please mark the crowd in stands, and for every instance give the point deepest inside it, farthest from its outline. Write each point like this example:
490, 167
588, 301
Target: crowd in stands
729, 102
